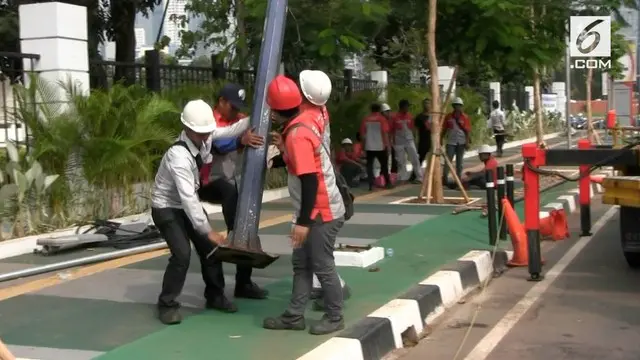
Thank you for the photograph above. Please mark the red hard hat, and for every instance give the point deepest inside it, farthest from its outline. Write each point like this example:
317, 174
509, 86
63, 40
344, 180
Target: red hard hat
283, 94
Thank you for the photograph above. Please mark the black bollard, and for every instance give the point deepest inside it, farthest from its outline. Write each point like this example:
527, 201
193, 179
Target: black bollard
491, 207
509, 182
501, 195
244, 244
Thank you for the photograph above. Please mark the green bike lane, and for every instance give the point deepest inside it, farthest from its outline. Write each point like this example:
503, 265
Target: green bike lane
110, 315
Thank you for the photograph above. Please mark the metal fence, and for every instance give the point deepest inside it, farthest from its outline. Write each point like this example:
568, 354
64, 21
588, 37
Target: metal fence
156, 76
14, 69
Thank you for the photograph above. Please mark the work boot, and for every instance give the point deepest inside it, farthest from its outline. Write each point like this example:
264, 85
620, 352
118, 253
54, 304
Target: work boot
221, 303
285, 321
251, 291
327, 325
169, 316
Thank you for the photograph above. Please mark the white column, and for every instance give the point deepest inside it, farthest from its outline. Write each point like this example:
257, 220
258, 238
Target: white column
559, 88
445, 74
58, 33
529, 91
495, 86
381, 77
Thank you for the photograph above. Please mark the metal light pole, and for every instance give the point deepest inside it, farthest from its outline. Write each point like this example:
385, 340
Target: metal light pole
567, 89
244, 246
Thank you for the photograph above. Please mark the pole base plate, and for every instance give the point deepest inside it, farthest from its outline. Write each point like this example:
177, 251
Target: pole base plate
252, 258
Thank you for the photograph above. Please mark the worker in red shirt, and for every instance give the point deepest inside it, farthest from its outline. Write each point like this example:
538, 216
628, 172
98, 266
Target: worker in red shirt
348, 161
316, 87
388, 114
478, 178
458, 128
319, 212
404, 143
219, 179
375, 130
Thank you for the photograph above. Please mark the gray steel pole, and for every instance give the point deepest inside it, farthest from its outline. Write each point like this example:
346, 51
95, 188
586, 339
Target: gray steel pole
567, 89
245, 234
37, 270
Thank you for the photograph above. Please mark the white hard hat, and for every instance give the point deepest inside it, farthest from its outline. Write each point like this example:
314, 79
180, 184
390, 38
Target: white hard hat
347, 141
385, 107
457, 101
485, 149
316, 86
197, 115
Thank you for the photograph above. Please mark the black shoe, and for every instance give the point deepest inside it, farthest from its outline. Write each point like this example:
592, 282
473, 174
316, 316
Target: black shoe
169, 316
221, 303
389, 186
284, 322
327, 325
250, 291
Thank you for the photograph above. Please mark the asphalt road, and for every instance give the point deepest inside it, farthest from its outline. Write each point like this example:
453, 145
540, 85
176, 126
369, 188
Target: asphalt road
587, 307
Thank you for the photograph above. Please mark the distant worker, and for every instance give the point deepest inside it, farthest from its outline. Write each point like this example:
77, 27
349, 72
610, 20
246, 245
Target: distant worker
385, 110
319, 212
221, 173
177, 212
423, 125
497, 120
458, 128
375, 131
478, 178
404, 143
348, 160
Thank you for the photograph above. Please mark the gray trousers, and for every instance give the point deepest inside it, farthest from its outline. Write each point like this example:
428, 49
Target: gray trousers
454, 151
315, 256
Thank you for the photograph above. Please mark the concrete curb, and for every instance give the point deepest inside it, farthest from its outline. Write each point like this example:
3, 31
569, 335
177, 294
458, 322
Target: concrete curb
405, 317
383, 331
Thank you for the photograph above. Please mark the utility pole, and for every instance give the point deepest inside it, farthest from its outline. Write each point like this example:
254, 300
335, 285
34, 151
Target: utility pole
567, 88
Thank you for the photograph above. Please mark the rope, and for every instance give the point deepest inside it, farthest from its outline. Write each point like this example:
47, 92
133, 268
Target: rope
483, 287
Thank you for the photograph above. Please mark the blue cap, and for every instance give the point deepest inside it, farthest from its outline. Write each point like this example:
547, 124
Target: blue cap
234, 94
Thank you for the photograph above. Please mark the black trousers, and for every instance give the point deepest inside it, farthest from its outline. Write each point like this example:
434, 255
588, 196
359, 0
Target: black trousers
500, 137
383, 158
177, 230
394, 162
225, 192
424, 146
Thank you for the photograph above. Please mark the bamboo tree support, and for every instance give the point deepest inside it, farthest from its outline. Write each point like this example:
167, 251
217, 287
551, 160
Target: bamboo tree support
434, 158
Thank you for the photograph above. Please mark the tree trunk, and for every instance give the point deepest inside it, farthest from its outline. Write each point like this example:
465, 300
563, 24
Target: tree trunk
590, 131
242, 52
537, 108
438, 193
123, 15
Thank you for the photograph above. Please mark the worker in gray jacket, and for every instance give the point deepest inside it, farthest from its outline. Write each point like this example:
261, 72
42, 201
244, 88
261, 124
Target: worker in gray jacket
179, 216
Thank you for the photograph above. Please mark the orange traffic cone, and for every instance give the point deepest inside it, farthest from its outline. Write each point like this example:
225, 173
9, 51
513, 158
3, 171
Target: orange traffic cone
518, 236
560, 225
596, 179
555, 225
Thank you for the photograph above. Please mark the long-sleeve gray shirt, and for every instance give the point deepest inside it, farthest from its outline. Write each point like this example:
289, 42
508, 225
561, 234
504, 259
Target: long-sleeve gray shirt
178, 178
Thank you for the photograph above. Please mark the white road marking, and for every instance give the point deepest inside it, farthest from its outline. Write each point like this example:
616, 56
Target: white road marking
502, 328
